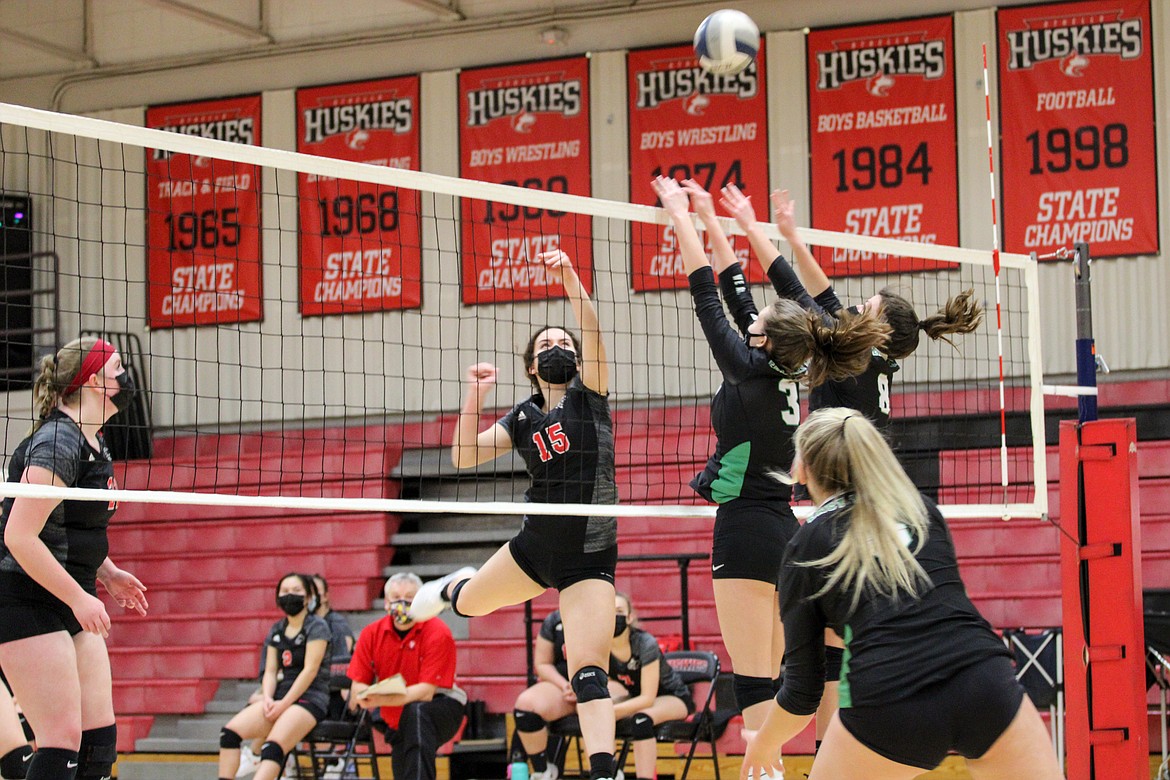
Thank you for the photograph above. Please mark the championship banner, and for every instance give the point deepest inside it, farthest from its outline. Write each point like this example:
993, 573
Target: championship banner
883, 159
686, 123
203, 219
525, 125
1077, 128
360, 242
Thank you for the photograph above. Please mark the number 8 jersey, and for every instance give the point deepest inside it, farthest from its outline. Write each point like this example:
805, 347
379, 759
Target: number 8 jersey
569, 451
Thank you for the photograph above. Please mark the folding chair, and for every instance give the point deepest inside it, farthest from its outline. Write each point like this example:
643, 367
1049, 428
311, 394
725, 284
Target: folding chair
344, 736
1040, 669
698, 669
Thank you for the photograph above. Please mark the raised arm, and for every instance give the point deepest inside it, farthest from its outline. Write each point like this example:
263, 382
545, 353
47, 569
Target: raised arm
784, 214
675, 201
722, 255
470, 446
594, 360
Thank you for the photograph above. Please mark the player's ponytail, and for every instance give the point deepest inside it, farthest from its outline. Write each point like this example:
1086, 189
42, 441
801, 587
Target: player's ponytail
887, 523
844, 347
961, 314
54, 376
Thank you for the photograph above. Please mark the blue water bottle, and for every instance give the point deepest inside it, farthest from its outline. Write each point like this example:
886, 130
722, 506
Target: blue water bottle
518, 770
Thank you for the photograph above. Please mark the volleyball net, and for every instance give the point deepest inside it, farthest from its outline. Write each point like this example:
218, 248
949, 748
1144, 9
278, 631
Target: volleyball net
301, 326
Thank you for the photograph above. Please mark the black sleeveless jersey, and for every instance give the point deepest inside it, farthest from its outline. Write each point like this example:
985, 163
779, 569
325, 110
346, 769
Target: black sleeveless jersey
75, 531
868, 392
569, 452
893, 647
757, 408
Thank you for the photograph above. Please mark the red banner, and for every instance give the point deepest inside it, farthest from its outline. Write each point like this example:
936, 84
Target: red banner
360, 247
882, 139
687, 123
526, 125
1077, 128
203, 219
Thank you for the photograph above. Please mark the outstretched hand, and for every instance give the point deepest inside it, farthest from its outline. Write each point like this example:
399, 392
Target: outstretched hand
701, 201
674, 197
784, 213
738, 205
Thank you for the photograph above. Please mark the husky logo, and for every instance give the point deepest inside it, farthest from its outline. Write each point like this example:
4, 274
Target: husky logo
837, 67
523, 122
357, 139
696, 104
1074, 66
556, 97
238, 131
1073, 45
660, 86
879, 86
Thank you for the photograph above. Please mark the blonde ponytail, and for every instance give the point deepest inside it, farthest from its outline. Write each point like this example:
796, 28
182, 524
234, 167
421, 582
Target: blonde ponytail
55, 374
844, 453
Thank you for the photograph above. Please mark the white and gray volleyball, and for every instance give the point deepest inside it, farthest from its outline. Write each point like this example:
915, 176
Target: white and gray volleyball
726, 42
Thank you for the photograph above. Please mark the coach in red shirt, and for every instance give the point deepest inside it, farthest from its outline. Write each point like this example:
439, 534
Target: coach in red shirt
429, 713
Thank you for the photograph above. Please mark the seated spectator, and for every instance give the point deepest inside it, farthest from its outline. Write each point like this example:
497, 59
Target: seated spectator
429, 714
656, 693
338, 625
643, 688
298, 647
15, 751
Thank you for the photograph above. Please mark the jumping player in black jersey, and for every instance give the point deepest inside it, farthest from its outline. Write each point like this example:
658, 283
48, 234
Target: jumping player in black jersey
869, 391
755, 413
924, 673
52, 623
299, 646
565, 435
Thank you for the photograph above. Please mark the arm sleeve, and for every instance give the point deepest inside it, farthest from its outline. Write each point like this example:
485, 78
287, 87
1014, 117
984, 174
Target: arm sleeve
829, 301
728, 348
733, 285
436, 663
804, 634
56, 447
361, 665
787, 285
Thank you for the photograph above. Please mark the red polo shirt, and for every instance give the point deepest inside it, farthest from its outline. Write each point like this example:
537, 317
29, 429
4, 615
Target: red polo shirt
426, 654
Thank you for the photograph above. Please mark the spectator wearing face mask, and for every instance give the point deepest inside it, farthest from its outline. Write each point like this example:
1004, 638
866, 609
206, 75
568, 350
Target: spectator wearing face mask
298, 647
338, 625
428, 714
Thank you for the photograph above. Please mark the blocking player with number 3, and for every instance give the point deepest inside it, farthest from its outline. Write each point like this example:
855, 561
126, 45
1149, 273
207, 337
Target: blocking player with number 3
754, 413
564, 432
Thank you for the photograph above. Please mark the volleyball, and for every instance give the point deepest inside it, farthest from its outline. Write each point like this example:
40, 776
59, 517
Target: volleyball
726, 42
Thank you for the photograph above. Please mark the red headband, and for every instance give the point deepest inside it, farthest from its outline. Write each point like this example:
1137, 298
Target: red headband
97, 357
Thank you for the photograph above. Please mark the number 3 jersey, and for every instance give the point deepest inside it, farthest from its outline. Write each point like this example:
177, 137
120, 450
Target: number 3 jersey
757, 408
569, 452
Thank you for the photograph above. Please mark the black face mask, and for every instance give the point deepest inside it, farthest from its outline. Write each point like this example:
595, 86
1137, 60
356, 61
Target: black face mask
556, 365
619, 624
291, 603
126, 390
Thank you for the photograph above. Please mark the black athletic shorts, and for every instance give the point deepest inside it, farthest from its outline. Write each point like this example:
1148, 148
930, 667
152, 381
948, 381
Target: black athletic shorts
966, 713
560, 567
750, 537
28, 609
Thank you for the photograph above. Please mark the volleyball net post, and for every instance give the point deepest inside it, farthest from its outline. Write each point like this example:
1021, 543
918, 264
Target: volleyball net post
1106, 729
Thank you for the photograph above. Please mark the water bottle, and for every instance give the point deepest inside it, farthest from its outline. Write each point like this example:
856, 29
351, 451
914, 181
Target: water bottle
518, 770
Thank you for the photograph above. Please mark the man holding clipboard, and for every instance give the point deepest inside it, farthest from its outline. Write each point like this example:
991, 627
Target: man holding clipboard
407, 671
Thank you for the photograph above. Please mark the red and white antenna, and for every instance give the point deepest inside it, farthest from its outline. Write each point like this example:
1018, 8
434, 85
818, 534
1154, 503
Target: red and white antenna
1003, 453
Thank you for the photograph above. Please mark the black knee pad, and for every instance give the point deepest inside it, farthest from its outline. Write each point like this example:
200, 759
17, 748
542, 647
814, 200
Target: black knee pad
751, 690
229, 740
527, 722
643, 727
53, 764
14, 763
98, 753
590, 683
270, 751
833, 659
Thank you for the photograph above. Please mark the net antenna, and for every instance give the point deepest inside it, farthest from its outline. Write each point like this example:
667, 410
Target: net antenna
934, 383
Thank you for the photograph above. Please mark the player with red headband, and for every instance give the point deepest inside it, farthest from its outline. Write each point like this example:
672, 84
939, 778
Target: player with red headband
52, 623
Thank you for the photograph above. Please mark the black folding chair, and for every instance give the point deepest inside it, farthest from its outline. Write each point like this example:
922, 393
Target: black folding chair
1040, 669
699, 670
345, 738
